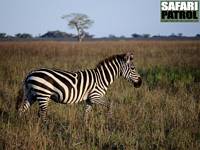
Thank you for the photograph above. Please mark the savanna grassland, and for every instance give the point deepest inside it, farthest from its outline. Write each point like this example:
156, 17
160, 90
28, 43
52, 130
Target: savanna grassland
163, 114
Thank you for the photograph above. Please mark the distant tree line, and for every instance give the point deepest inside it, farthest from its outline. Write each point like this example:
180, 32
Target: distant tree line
49, 35
68, 36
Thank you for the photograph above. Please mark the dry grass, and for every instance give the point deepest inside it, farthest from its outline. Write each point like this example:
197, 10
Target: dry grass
163, 114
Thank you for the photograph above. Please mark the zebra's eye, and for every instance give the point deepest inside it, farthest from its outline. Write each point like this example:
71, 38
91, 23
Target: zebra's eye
133, 67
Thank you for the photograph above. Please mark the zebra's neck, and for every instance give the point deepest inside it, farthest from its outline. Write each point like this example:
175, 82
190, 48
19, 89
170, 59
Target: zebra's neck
107, 72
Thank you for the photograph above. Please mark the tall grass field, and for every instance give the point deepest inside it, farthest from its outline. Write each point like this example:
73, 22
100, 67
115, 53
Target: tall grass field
163, 114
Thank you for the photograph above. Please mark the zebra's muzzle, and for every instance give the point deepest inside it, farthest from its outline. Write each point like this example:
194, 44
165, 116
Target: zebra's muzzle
138, 84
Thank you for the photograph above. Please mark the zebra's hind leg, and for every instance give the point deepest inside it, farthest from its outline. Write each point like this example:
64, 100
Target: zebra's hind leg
88, 109
43, 104
25, 106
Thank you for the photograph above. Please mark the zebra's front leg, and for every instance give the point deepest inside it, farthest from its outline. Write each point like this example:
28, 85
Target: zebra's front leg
43, 104
110, 109
105, 104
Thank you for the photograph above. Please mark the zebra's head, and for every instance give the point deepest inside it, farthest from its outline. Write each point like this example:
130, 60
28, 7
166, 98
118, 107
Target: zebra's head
128, 70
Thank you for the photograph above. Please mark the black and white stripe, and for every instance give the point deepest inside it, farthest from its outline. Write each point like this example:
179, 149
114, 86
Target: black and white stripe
90, 85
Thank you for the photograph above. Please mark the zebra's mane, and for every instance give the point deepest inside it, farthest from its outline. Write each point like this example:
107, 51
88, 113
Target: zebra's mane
119, 57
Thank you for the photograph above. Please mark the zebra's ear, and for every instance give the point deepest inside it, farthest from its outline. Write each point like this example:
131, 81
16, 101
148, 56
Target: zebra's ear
128, 57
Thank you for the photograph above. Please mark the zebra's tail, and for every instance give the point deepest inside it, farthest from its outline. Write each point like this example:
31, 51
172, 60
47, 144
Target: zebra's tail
19, 98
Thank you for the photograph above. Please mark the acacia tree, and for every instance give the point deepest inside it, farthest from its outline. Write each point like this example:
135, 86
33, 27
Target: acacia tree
80, 22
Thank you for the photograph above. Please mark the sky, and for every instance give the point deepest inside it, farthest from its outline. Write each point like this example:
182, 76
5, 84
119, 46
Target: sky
116, 17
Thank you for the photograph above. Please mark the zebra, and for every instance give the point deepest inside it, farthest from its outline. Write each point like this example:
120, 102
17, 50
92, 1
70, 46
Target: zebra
66, 87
